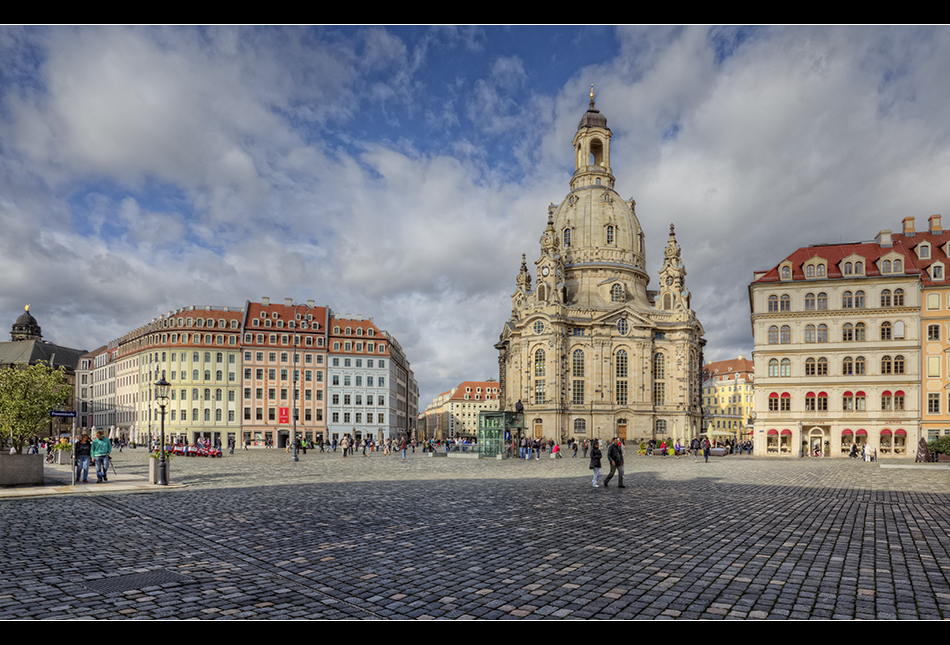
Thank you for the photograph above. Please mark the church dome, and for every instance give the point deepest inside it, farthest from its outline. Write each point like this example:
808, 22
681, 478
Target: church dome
26, 327
599, 232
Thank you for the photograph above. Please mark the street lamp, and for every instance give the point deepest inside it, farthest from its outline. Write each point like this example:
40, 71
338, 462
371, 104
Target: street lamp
161, 396
293, 439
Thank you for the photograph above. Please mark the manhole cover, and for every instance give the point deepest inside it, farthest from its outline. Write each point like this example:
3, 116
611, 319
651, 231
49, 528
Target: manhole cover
118, 584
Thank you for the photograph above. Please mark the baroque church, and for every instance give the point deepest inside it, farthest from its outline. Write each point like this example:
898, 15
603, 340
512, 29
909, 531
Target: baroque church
589, 351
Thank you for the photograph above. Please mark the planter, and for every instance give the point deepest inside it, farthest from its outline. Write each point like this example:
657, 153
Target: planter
942, 458
63, 457
19, 470
153, 471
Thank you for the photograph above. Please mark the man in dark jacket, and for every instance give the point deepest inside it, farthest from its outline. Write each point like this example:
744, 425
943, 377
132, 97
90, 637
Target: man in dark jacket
615, 457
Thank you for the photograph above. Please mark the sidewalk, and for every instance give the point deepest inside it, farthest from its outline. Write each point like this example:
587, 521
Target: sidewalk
57, 480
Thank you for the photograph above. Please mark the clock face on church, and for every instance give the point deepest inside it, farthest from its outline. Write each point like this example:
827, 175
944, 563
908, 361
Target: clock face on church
669, 281
545, 271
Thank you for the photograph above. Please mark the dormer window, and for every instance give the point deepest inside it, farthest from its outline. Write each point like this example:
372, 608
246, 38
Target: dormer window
858, 268
936, 272
886, 266
923, 251
786, 273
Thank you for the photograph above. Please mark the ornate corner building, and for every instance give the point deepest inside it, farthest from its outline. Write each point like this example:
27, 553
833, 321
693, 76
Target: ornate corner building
589, 351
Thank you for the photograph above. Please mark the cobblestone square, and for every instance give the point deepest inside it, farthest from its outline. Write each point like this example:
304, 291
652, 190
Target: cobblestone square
255, 535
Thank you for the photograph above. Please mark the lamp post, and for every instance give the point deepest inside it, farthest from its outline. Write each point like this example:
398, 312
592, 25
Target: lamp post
293, 438
161, 396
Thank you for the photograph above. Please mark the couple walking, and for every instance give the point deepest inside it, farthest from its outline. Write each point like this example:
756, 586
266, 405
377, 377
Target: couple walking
614, 456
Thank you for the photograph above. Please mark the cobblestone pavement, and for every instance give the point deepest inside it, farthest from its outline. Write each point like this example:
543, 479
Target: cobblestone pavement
256, 536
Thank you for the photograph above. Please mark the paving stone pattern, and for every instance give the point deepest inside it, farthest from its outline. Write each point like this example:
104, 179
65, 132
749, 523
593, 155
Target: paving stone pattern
257, 536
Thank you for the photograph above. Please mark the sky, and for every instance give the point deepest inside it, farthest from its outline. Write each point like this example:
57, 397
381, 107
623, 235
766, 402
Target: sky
400, 172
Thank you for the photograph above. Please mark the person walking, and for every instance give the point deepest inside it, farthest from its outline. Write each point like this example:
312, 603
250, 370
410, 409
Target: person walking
615, 457
595, 456
83, 454
101, 452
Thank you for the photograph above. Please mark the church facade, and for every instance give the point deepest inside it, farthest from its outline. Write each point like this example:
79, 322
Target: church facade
589, 351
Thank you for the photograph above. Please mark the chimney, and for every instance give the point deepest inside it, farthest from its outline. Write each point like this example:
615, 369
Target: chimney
908, 225
265, 300
884, 238
935, 224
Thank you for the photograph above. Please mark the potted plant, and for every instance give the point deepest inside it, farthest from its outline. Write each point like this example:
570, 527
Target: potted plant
941, 448
153, 466
63, 451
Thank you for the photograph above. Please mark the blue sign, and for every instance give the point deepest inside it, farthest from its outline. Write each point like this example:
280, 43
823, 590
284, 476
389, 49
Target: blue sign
62, 413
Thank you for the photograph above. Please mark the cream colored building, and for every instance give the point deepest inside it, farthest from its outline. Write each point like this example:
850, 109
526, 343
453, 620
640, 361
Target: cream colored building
589, 351
728, 398
454, 413
837, 350
930, 252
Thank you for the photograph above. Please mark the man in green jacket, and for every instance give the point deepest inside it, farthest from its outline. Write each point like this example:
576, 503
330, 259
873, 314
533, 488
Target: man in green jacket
101, 450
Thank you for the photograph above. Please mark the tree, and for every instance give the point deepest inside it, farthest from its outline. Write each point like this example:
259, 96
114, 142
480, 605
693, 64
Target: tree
27, 394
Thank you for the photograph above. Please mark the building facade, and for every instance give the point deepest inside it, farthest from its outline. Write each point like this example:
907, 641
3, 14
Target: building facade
837, 350
454, 413
728, 398
251, 375
589, 351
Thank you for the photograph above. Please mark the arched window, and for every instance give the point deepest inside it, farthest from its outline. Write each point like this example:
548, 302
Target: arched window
821, 270
822, 333
860, 366
539, 363
785, 303
786, 334
773, 367
809, 301
578, 363
847, 366
898, 266
616, 293
810, 333
847, 332
786, 367
886, 365
659, 366
610, 234
810, 271
886, 266
822, 366
809, 367
622, 368
773, 303
847, 300
773, 335
580, 425
822, 301
660, 426
786, 273
885, 330
898, 364
886, 298
898, 293
567, 238
621, 371
859, 300
859, 331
